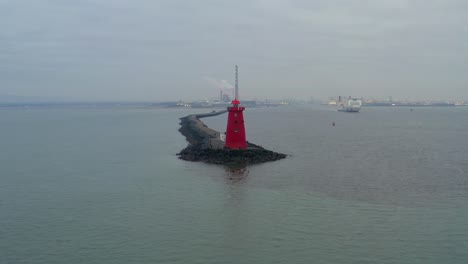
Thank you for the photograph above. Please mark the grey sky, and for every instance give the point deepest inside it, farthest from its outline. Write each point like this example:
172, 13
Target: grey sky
181, 49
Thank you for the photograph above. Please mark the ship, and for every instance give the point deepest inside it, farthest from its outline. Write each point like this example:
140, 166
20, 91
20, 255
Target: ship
349, 105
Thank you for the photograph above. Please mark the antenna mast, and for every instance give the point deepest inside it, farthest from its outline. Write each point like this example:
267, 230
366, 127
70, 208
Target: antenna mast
237, 84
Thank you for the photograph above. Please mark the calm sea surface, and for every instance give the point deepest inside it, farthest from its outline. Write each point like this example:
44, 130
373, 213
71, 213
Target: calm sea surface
105, 186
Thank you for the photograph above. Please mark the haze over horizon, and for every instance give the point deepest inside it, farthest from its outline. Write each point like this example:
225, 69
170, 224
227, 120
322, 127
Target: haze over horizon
174, 49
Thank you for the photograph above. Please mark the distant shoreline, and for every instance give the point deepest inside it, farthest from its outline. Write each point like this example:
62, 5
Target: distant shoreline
159, 105
412, 105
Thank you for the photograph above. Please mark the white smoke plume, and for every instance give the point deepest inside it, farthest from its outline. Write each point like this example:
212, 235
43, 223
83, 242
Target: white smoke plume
219, 84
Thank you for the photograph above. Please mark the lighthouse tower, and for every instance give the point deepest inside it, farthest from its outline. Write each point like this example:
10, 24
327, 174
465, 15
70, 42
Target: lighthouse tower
235, 131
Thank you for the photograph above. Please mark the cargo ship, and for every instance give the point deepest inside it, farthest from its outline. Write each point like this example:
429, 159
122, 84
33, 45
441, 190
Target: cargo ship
349, 105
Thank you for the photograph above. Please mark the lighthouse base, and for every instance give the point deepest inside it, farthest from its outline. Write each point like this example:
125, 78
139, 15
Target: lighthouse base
251, 155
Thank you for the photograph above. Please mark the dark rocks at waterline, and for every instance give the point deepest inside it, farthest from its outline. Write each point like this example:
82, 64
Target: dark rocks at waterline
205, 145
227, 156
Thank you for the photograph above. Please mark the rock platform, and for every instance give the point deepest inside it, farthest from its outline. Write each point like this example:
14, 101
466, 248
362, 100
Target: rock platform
205, 145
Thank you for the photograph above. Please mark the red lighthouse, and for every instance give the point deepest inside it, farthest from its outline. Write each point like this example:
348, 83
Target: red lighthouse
235, 131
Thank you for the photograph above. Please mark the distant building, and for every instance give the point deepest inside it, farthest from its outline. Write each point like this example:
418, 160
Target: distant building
249, 103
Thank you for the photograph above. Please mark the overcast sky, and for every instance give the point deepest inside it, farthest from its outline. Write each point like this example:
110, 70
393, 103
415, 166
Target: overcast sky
182, 49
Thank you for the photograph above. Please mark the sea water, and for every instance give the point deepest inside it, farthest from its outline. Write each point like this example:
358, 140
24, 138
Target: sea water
104, 185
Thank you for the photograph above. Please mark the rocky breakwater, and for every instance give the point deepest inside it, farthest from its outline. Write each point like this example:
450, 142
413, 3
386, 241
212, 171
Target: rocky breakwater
205, 145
